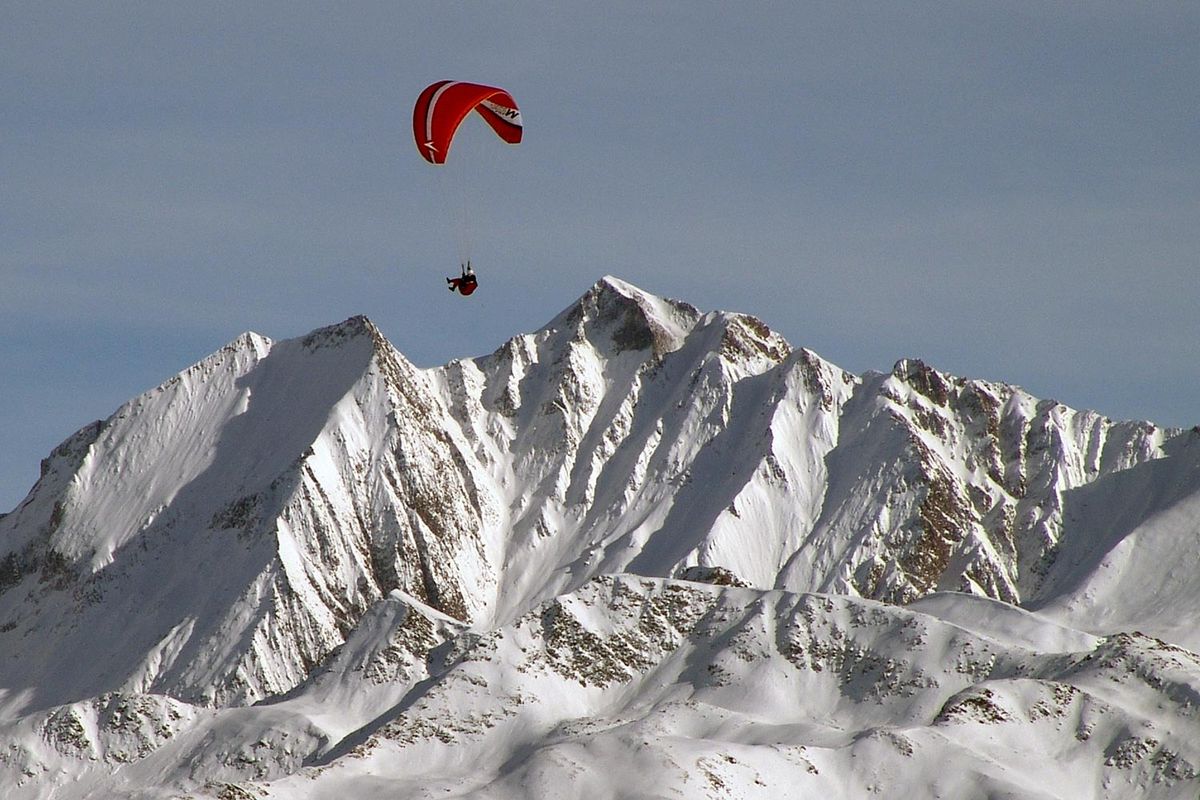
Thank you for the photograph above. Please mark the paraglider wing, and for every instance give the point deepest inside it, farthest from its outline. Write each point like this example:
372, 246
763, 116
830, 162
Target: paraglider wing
442, 107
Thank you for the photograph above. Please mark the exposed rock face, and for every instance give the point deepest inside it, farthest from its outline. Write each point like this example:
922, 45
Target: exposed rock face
986, 473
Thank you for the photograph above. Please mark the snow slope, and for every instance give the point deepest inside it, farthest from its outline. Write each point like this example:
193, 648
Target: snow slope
218, 536
643, 534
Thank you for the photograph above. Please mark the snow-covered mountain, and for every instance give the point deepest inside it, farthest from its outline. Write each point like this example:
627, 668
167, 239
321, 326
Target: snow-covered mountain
642, 535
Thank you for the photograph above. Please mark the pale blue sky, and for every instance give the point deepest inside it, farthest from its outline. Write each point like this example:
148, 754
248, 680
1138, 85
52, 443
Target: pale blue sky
1008, 190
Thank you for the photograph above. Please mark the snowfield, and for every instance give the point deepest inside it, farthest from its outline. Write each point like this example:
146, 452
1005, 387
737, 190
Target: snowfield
645, 551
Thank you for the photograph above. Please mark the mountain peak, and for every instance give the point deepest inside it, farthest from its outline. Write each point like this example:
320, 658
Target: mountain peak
618, 317
355, 327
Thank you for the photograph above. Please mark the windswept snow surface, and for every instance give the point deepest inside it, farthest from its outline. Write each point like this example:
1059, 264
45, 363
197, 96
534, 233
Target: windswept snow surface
645, 551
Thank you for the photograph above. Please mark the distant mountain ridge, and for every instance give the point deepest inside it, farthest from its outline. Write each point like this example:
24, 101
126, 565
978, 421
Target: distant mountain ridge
286, 522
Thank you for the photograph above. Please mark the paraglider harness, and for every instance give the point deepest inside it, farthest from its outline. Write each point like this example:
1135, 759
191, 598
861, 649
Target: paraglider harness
466, 283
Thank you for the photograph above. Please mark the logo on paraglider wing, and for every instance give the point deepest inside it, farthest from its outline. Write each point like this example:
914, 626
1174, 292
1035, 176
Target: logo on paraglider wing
432, 149
504, 112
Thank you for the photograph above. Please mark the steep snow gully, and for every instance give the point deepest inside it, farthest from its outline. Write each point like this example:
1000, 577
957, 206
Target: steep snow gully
645, 551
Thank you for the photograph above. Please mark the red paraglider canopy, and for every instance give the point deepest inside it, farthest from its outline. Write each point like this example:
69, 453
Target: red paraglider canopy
443, 106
